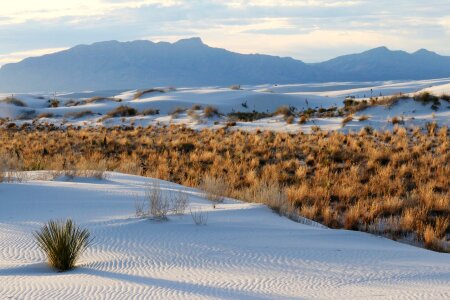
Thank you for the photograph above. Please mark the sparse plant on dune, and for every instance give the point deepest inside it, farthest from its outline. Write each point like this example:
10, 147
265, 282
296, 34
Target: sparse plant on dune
159, 204
210, 111
14, 101
150, 112
63, 242
179, 201
199, 217
122, 111
139, 94
78, 114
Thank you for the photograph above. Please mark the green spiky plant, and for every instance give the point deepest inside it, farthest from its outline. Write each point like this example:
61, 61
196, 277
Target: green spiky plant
63, 242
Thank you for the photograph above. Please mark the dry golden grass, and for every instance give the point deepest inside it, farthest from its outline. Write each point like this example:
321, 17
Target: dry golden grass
391, 183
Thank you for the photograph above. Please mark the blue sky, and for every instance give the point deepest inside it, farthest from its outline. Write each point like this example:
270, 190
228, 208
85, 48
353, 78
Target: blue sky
310, 30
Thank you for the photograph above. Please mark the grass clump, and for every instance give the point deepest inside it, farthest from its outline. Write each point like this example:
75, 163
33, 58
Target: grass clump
63, 242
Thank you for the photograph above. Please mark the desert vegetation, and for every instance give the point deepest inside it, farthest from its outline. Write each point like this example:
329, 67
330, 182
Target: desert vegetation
394, 183
62, 242
13, 101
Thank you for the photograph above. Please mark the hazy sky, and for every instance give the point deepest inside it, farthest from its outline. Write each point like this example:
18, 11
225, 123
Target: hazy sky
310, 30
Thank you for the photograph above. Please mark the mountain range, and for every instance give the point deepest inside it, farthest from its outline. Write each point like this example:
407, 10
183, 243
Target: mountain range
189, 62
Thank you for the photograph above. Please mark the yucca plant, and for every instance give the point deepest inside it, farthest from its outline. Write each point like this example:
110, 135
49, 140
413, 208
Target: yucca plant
63, 242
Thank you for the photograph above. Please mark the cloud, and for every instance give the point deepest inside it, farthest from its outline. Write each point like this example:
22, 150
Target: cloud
18, 56
311, 30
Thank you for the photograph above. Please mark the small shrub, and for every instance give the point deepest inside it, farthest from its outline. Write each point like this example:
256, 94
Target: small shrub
196, 107
122, 111
100, 98
179, 201
159, 205
45, 115
210, 111
425, 97
53, 103
63, 243
235, 87
199, 217
248, 116
445, 97
285, 111
78, 114
396, 120
14, 101
139, 94
150, 112
346, 120
176, 111
303, 119
290, 119
363, 118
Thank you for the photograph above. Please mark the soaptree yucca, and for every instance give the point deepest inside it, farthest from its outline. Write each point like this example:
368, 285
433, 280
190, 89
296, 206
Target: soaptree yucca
63, 242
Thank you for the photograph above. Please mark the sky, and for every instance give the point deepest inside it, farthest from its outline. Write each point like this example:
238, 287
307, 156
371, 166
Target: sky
310, 30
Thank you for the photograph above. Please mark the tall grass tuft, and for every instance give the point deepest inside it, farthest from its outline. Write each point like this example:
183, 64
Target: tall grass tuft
63, 242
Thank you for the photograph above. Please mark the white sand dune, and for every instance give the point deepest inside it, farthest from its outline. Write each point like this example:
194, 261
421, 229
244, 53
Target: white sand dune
244, 252
262, 98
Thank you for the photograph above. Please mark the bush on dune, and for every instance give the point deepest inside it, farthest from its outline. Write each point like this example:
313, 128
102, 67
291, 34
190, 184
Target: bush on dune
63, 242
14, 101
122, 111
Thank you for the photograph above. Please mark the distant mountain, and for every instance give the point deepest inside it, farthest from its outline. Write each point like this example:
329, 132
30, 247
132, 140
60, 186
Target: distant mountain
189, 62
384, 64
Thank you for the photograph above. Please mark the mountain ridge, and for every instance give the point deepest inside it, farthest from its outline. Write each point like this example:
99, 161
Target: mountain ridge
191, 62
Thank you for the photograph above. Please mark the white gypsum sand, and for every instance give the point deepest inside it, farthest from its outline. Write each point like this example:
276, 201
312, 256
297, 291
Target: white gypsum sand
80, 109
244, 252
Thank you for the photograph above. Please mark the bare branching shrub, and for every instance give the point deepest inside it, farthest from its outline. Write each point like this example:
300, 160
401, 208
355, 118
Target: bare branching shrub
179, 201
159, 204
63, 242
215, 189
140, 207
199, 217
